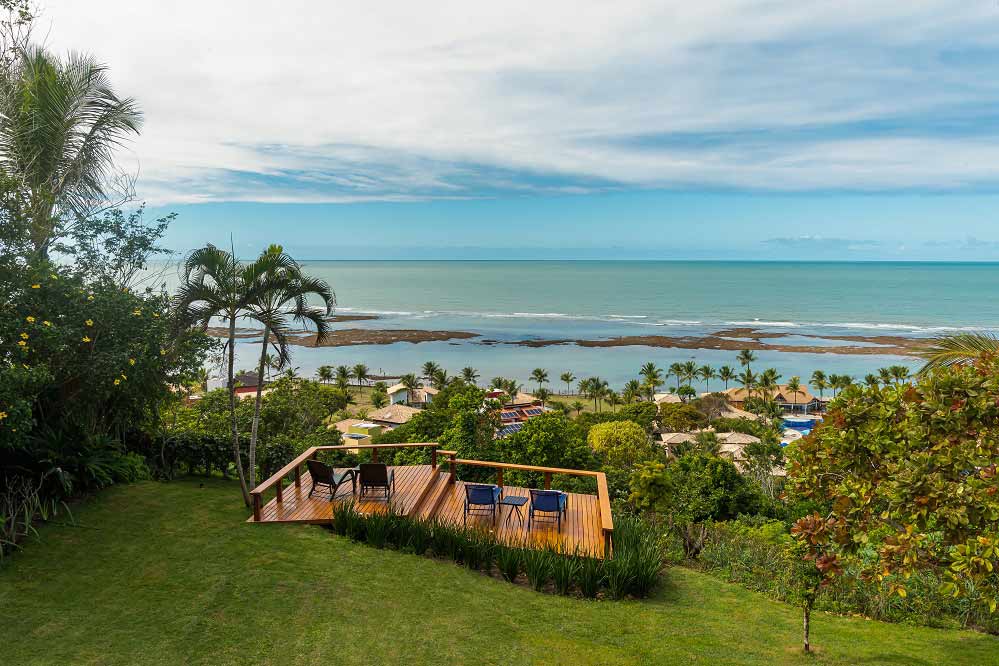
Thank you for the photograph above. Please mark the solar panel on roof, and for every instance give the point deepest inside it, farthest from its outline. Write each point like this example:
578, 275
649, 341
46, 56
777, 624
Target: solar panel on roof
533, 412
510, 429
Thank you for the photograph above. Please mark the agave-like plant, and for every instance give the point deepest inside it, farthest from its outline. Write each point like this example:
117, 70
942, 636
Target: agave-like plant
958, 349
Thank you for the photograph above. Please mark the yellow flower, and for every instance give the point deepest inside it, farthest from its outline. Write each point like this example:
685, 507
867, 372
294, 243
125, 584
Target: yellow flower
156, 314
47, 323
24, 336
36, 286
86, 338
163, 352
131, 361
89, 322
136, 312
29, 319
90, 297
3, 415
123, 376
53, 276
22, 343
117, 381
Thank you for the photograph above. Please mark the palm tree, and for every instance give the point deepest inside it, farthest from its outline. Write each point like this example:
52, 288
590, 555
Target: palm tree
214, 284
439, 379
539, 375
360, 372
511, 388
343, 377
543, 395
820, 382
745, 357
706, 373
577, 407
726, 374
568, 378
959, 349
286, 303
378, 399
689, 372
60, 123
653, 378
325, 374
748, 381
676, 369
497, 383
613, 399
899, 373
872, 380
469, 374
429, 368
885, 376
632, 390
411, 383
794, 385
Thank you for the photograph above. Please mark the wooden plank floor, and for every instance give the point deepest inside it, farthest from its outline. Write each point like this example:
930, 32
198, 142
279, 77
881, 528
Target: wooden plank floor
423, 491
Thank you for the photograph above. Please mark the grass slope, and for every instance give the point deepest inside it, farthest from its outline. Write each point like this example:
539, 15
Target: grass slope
170, 574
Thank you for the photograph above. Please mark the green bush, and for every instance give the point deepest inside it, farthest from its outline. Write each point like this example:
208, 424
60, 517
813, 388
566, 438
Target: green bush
538, 565
591, 576
565, 571
508, 561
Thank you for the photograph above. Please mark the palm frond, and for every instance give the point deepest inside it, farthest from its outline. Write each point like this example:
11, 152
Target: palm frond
958, 349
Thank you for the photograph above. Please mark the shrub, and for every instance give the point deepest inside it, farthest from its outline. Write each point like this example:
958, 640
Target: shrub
565, 570
590, 576
508, 560
538, 567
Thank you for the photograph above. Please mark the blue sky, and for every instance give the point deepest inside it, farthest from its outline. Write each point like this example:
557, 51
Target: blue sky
732, 129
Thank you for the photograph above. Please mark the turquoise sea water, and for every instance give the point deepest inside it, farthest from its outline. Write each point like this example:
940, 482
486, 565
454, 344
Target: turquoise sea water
509, 301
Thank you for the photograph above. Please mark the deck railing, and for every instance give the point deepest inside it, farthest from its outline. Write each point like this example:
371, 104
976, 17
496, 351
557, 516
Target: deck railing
603, 495
276, 481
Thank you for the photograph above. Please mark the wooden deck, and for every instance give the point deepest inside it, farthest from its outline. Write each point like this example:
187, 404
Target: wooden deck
428, 492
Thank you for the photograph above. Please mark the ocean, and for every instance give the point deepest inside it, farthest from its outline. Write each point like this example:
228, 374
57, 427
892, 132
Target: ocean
510, 301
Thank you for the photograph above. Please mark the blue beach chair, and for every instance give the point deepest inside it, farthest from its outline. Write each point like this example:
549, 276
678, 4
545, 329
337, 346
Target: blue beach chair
482, 499
547, 502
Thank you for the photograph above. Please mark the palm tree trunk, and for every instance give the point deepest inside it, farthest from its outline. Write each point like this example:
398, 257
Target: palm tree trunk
256, 407
232, 409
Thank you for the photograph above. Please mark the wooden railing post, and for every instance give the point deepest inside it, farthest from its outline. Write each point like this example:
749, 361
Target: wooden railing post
374, 455
298, 476
279, 487
454, 470
499, 477
548, 480
607, 544
256, 507
433, 457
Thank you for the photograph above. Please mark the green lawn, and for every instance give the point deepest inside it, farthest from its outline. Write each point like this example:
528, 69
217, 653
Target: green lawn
170, 574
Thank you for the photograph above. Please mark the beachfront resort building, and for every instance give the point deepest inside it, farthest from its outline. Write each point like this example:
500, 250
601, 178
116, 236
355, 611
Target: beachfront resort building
421, 397
517, 411
360, 431
731, 445
789, 401
246, 385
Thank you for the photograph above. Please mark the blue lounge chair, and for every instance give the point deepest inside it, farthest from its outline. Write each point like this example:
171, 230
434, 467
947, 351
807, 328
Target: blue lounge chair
547, 502
482, 499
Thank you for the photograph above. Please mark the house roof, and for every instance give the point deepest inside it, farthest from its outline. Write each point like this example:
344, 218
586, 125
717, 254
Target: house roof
677, 437
737, 438
419, 395
344, 425
666, 397
394, 414
780, 394
247, 379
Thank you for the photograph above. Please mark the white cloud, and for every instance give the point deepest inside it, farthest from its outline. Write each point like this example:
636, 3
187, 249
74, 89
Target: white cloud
306, 101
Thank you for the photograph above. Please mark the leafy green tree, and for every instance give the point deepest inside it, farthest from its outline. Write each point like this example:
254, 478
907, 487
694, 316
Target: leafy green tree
958, 349
906, 480
706, 374
411, 384
748, 381
568, 378
60, 123
676, 369
632, 391
440, 379
429, 370
690, 491
680, 417
622, 444
543, 395
343, 375
794, 386
379, 399
360, 372
686, 392
578, 407
549, 440
325, 374
746, 357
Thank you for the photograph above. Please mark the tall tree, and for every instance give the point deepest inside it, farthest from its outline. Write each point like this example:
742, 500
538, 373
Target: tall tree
325, 374
429, 368
539, 375
653, 378
748, 381
469, 374
411, 383
820, 382
343, 376
706, 373
283, 304
689, 371
726, 374
60, 124
676, 369
360, 372
794, 385
745, 357
568, 378
216, 284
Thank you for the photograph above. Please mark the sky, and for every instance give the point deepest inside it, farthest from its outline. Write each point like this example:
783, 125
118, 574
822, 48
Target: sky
625, 130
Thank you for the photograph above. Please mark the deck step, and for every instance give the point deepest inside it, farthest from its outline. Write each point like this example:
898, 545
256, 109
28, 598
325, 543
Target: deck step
433, 495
